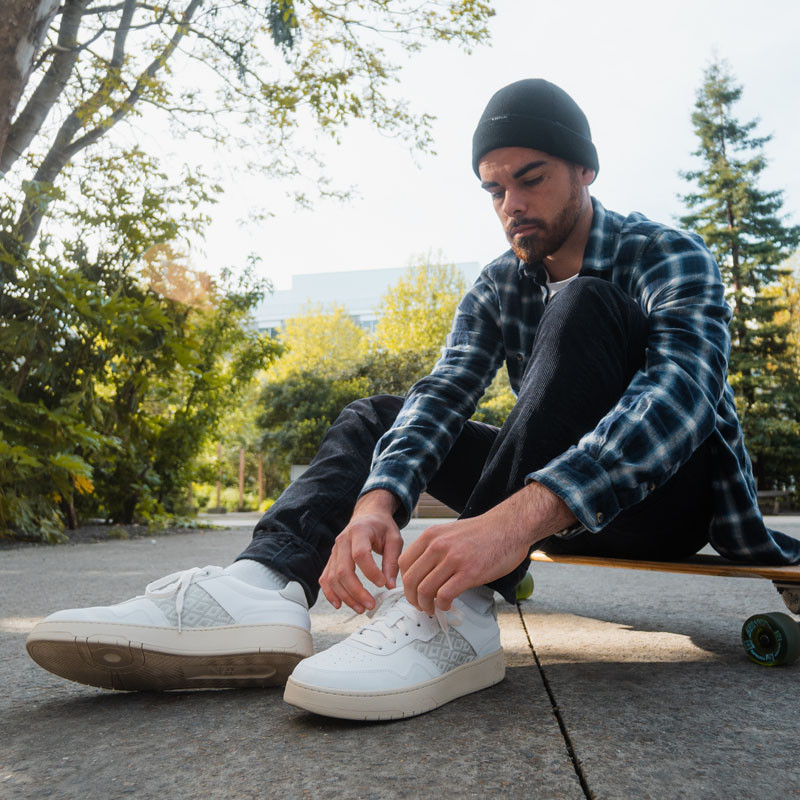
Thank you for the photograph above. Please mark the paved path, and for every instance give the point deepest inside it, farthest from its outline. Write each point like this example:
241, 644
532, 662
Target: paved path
639, 676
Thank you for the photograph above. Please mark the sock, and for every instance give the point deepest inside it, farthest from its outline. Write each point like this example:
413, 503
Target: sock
257, 574
479, 599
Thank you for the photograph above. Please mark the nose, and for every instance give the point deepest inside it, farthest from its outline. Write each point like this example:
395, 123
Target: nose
513, 203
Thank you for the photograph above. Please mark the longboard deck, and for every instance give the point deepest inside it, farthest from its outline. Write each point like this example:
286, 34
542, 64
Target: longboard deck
697, 565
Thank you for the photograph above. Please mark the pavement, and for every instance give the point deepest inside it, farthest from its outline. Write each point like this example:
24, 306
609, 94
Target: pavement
620, 684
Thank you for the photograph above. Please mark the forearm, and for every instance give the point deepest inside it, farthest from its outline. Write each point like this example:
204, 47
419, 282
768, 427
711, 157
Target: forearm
530, 515
377, 501
450, 558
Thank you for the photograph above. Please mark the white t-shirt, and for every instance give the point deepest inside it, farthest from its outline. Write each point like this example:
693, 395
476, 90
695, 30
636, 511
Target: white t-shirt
550, 288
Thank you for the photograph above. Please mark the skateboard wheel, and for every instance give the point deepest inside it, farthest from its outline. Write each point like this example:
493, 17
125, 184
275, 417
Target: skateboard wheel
772, 640
525, 587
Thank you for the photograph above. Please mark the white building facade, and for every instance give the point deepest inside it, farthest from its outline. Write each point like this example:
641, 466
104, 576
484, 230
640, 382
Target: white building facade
359, 291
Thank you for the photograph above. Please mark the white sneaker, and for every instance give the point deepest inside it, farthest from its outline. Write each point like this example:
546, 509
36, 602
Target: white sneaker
402, 663
195, 629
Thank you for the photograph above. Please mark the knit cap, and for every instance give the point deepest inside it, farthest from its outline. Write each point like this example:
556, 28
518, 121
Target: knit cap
537, 114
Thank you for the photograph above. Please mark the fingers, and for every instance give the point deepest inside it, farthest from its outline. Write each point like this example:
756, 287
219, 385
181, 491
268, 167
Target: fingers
429, 587
337, 595
425, 568
340, 580
353, 548
361, 550
391, 554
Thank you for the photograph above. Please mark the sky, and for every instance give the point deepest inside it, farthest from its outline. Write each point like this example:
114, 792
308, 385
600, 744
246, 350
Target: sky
633, 67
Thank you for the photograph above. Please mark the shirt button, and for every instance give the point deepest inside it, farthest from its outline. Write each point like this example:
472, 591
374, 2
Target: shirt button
600, 516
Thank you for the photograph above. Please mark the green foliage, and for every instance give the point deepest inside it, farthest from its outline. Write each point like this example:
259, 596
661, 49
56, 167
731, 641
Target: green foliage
498, 401
417, 311
327, 343
221, 71
394, 373
298, 410
742, 225
116, 361
328, 363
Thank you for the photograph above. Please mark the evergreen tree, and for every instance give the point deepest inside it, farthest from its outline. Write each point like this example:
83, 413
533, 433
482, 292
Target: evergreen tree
744, 228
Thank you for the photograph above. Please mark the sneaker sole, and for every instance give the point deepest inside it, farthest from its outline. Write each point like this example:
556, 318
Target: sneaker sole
116, 657
399, 703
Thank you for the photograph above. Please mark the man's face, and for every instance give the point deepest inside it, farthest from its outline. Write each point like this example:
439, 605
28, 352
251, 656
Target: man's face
538, 198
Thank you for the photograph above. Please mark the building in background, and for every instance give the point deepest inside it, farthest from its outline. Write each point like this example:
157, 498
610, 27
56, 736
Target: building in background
359, 291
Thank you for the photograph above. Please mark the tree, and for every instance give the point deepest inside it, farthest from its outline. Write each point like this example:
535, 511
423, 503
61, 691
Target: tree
416, 312
108, 382
276, 65
116, 359
327, 343
297, 412
25, 25
742, 225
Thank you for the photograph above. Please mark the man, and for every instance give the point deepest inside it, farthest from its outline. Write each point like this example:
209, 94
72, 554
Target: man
623, 441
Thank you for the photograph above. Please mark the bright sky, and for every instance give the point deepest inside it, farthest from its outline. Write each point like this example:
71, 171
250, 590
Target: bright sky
633, 67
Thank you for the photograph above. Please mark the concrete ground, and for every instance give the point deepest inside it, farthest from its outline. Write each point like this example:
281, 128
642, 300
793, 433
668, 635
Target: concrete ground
620, 684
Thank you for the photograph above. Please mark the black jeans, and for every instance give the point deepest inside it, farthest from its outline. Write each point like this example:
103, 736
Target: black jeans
589, 344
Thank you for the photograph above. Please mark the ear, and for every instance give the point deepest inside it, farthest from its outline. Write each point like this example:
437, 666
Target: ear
587, 175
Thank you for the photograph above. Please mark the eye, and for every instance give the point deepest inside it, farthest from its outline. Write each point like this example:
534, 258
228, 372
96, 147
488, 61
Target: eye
533, 181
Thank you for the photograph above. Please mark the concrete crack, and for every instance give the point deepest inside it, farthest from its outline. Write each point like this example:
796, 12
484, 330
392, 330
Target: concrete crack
573, 757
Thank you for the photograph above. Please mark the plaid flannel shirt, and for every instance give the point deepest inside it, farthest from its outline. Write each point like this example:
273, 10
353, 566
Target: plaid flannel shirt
674, 403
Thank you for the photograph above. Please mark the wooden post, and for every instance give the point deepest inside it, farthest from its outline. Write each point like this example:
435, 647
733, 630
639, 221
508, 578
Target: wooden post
219, 474
241, 478
260, 480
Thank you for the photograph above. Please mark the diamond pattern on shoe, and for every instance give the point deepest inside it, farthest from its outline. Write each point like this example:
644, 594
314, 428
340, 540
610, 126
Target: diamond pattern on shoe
200, 610
447, 650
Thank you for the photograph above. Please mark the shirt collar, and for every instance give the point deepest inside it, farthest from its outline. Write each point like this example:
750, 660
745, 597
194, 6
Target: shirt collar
598, 255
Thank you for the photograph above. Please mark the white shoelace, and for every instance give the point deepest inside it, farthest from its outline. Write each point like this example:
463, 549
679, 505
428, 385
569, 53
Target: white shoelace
399, 618
176, 585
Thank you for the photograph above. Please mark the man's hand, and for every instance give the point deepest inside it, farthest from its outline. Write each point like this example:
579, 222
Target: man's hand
451, 558
371, 529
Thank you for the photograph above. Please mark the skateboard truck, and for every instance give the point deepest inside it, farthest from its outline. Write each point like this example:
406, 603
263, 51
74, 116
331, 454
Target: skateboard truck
790, 592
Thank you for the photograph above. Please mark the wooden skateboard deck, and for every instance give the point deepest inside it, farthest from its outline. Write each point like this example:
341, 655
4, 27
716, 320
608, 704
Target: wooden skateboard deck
770, 639
696, 565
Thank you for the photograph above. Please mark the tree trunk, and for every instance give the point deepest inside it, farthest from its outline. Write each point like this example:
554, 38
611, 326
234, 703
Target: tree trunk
25, 23
219, 475
241, 478
30, 119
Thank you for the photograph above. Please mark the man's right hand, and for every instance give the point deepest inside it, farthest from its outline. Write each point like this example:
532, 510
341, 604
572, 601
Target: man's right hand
371, 529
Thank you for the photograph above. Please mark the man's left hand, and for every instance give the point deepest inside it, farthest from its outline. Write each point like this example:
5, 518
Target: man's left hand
448, 559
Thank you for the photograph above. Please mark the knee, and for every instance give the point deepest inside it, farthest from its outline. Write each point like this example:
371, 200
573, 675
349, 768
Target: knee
379, 407
589, 301
375, 402
587, 289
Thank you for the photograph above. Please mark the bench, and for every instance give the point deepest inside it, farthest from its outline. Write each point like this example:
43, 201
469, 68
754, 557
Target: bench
775, 495
430, 507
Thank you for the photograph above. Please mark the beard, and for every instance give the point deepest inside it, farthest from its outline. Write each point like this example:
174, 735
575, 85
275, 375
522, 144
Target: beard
548, 238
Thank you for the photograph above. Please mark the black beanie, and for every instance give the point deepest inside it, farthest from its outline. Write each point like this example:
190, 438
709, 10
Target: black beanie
537, 114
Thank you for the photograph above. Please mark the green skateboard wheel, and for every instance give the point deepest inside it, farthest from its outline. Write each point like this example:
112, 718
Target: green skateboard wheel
772, 640
525, 587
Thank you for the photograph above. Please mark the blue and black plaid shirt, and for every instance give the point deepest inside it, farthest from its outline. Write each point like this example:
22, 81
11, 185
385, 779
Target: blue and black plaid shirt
673, 404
